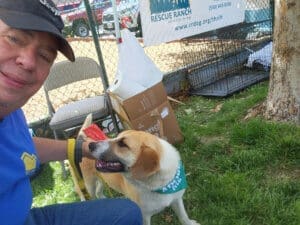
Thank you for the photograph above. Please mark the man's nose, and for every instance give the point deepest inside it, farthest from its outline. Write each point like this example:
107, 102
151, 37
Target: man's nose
27, 58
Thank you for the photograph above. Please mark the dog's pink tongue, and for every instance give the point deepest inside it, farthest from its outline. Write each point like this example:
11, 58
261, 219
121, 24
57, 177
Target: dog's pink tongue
101, 164
104, 166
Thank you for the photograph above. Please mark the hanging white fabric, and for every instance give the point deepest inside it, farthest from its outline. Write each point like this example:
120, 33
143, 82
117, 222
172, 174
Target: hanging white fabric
136, 71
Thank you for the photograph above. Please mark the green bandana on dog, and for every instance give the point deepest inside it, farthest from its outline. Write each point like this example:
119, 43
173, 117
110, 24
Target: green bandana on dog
178, 183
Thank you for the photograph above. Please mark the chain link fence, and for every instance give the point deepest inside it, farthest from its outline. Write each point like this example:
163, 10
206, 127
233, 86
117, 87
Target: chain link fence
191, 63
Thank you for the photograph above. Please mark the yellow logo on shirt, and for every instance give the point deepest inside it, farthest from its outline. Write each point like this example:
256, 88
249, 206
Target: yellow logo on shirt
29, 162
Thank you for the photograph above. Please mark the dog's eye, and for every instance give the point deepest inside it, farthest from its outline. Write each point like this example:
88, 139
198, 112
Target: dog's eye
122, 144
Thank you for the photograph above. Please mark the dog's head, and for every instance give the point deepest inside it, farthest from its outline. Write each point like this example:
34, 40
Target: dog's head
134, 152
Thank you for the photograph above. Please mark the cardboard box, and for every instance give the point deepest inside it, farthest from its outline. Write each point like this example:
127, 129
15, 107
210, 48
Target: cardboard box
150, 111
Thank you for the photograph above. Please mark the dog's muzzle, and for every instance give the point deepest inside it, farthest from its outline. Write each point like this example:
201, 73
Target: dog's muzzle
104, 162
98, 148
92, 146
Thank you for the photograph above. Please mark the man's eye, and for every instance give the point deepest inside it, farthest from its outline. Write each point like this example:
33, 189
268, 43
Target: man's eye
122, 144
46, 55
14, 39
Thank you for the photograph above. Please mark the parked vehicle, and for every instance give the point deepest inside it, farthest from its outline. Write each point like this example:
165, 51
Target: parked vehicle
67, 7
76, 21
129, 17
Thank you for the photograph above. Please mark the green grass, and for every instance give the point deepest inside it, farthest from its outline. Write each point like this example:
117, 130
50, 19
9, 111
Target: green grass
239, 172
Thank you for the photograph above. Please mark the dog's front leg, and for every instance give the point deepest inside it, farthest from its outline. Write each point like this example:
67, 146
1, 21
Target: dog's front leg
180, 211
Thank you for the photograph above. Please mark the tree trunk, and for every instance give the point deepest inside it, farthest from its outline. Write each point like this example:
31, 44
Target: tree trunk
283, 99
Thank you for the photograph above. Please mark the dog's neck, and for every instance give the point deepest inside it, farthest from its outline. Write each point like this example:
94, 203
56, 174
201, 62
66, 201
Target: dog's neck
176, 184
169, 164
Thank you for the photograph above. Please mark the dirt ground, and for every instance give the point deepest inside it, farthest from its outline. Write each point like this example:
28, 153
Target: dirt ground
168, 57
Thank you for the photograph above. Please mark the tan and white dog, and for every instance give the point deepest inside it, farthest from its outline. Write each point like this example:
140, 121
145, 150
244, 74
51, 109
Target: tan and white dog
143, 167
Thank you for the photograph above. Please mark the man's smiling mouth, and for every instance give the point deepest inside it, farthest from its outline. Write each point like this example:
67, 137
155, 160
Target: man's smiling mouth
13, 82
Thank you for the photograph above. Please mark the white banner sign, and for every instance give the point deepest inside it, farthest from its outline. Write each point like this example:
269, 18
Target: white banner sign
167, 20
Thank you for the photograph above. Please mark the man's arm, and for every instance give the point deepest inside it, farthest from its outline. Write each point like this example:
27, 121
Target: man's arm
55, 150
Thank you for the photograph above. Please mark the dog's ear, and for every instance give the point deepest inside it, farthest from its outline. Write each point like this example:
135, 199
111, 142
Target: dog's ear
87, 122
147, 163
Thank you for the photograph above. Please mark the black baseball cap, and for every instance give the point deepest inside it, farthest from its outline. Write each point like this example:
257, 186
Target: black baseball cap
37, 15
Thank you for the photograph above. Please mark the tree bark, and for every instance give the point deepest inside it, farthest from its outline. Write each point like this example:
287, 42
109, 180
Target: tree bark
283, 99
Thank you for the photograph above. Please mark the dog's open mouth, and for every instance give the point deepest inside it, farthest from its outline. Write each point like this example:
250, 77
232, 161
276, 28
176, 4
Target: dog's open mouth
109, 166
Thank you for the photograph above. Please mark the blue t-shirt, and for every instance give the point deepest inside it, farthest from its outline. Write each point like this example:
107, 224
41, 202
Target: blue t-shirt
18, 160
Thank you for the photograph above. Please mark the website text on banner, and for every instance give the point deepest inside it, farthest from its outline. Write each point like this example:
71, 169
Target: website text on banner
168, 20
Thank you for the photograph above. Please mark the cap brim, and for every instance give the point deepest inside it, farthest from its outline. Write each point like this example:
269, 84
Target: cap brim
26, 21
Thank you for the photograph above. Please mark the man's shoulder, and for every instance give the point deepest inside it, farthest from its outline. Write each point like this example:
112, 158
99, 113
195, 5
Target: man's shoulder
18, 115
15, 119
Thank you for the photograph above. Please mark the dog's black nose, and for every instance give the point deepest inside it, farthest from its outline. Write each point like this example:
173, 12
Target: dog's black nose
92, 146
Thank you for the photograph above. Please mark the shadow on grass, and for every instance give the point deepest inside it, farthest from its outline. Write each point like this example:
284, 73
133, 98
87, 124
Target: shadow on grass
43, 179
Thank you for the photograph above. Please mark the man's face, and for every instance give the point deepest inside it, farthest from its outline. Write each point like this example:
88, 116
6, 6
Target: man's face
25, 61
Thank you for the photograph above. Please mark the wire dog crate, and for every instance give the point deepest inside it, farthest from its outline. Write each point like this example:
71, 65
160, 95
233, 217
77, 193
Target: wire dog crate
219, 69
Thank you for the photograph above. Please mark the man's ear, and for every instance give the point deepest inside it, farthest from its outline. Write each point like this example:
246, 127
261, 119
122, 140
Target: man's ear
146, 164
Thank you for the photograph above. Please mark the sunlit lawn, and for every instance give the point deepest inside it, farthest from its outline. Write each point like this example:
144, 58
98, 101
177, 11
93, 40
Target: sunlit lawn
239, 171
